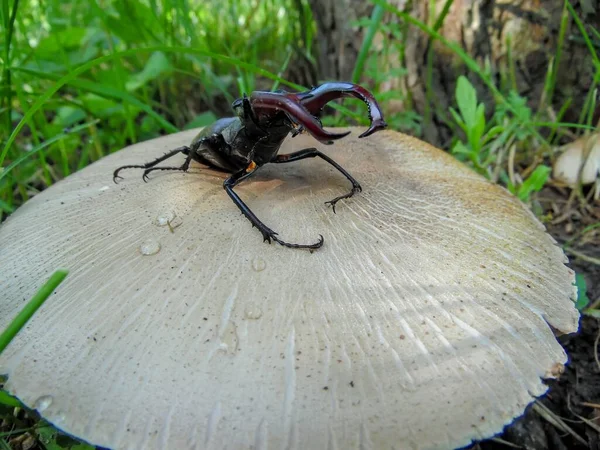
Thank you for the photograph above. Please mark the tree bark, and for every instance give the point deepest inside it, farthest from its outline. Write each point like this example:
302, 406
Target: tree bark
338, 41
489, 31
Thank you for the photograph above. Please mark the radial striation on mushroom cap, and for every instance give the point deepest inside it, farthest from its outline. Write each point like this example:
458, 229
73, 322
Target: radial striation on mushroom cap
423, 321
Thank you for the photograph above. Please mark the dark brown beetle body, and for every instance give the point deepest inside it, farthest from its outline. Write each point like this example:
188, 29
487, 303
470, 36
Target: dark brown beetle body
240, 145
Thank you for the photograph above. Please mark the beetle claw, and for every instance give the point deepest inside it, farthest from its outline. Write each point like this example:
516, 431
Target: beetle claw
376, 125
303, 108
316, 99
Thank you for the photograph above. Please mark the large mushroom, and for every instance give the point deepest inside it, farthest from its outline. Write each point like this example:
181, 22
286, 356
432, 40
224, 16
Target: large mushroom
423, 322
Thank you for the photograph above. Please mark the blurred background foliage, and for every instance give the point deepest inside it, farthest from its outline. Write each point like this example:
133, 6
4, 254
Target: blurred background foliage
129, 98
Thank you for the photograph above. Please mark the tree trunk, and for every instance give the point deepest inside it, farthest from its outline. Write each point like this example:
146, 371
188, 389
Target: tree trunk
517, 37
338, 41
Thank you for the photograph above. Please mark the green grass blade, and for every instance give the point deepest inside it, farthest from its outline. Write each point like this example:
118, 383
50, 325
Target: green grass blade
440, 19
108, 92
5, 171
584, 34
592, 105
551, 84
100, 60
32, 306
8, 400
429, 94
9, 28
283, 68
582, 298
564, 125
376, 17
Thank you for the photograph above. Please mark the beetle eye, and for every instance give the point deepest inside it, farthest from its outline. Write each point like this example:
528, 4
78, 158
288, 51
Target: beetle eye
237, 103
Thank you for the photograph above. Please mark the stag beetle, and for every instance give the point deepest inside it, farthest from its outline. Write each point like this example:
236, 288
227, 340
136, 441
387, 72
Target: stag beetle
240, 145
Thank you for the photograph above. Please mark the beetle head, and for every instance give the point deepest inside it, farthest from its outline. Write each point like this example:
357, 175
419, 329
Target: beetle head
242, 108
263, 111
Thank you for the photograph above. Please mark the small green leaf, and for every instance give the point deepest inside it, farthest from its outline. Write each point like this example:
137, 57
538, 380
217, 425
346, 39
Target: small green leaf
534, 183
82, 55
47, 436
461, 149
477, 129
83, 446
466, 98
9, 400
157, 65
592, 312
58, 41
100, 106
68, 115
458, 119
492, 133
201, 120
3, 205
582, 298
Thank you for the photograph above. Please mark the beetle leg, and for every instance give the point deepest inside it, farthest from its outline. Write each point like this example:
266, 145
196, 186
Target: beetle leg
313, 152
267, 233
150, 166
316, 99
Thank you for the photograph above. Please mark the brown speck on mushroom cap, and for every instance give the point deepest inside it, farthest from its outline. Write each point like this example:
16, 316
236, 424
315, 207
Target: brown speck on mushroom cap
429, 251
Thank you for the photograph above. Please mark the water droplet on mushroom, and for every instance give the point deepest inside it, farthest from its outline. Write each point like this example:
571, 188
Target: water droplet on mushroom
43, 403
104, 188
253, 312
168, 219
259, 264
229, 339
58, 418
164, 218
150, 248
223, 347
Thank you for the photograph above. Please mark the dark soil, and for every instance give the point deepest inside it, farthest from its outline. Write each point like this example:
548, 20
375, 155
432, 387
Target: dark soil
579, 384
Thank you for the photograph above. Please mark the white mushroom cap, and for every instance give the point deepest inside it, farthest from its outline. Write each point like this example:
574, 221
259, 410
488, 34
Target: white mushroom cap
576, 158
421, 323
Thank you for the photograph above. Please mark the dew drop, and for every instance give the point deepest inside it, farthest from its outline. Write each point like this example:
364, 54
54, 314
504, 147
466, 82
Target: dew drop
42, 403
229, 339
59, 418
168, 219
164, 218
150, 248
259, 264
223, 347
253, 312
